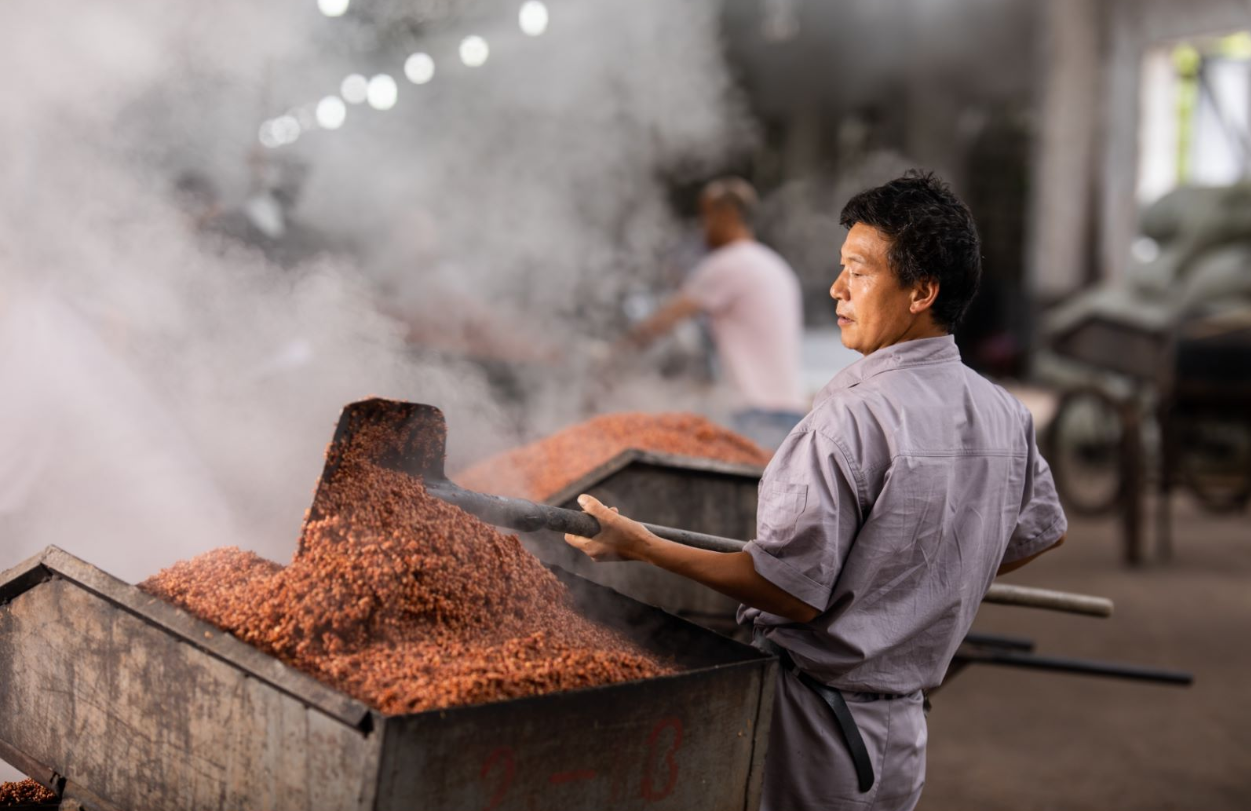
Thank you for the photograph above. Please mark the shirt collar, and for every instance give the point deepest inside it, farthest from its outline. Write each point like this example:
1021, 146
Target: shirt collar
920, 352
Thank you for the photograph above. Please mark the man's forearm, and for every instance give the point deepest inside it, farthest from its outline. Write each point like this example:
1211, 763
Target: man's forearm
676, 310
732, 574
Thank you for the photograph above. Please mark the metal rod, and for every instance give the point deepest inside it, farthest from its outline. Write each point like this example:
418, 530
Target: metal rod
528, 516
1004, 594
1085, 667
1002, 642
697, 539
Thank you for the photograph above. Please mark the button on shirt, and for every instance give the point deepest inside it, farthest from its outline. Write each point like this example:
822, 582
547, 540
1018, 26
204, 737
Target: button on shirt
890, 508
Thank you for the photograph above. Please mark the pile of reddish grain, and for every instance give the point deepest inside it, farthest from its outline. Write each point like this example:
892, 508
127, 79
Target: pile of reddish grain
27, 792
541, 469
405, 602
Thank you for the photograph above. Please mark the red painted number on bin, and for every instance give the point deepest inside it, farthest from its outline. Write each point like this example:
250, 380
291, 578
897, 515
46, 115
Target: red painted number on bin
661, 748
502, 761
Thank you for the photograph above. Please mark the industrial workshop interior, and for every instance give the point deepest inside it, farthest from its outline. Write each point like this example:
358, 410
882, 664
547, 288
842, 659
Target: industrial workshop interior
617, 405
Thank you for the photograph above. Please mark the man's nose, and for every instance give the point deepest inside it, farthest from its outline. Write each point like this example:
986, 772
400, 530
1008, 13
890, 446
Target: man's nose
838, 289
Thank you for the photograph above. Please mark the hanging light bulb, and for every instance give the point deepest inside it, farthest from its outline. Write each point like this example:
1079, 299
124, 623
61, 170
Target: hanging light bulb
419, 68
474, 51
355, 89
268, 136
331, 112
533, 17
383, 92
333, 8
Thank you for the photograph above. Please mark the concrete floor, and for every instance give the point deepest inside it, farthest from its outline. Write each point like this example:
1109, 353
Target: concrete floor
1003, 738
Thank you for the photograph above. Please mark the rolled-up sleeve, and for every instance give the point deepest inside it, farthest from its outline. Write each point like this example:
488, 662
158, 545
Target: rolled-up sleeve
806, 519
1041, 521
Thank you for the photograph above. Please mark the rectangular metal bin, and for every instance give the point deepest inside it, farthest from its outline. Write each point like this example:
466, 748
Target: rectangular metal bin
124, 702
703, 495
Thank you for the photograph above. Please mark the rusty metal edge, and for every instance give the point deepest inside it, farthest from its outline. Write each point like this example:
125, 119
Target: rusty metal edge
85, 798
760, 740
54, 561
23, 576
48, 777
765, 664
636, 456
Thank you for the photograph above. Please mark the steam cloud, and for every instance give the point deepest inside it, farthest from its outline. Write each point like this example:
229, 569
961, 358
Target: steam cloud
165, 391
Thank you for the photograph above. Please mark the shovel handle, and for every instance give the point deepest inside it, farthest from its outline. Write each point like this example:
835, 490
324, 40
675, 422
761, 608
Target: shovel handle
527, 516
698, 540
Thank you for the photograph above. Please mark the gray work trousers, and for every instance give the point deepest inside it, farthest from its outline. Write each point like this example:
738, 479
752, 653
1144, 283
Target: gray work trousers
808, 767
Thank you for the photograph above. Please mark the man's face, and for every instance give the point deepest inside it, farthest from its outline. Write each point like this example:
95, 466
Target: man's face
718, 221
874, 309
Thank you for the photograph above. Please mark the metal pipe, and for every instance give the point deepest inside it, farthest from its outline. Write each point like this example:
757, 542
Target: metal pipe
1004, 594
1002, 642
528, 516
1085, 667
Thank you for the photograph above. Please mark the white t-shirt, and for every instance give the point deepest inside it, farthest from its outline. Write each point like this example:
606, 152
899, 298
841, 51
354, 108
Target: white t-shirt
753, 299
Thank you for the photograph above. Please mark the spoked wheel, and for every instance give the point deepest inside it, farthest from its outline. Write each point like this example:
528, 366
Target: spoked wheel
1086, 442
1215, 460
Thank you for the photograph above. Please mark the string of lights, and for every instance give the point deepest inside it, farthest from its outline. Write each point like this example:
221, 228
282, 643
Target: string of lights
382, 92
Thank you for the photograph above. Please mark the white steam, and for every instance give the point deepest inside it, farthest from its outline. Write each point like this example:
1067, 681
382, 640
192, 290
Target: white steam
167, 391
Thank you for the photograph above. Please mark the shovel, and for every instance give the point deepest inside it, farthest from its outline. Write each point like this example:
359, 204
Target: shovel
418, 448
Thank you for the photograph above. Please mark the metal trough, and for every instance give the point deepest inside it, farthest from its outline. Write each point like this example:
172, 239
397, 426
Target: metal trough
118, 700
703, 495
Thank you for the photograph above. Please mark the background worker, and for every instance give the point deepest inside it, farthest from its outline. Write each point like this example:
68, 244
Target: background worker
752, 299
883, 518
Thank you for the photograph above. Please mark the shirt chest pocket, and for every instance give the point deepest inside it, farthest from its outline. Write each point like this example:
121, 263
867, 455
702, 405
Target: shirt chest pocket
781, 504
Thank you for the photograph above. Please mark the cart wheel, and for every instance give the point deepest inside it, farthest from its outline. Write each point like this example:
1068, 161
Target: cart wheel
1084, 448
1215, 461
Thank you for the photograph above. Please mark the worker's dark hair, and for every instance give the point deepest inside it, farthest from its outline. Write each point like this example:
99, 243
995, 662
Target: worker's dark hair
932, 236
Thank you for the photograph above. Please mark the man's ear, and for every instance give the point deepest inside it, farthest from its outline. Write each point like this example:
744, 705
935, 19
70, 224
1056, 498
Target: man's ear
923, 295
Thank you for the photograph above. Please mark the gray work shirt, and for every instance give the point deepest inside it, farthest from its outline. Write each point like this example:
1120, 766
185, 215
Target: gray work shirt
890, 507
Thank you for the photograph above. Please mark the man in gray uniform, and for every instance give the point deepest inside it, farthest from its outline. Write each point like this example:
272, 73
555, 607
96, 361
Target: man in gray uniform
883, 518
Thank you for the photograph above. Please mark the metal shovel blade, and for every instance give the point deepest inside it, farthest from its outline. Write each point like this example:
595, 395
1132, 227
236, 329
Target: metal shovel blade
393, 434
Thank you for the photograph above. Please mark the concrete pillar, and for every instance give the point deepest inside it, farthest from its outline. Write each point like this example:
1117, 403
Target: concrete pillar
1065, 171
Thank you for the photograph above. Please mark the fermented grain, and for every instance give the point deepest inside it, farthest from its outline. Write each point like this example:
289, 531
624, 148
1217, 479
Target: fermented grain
405, 602
27, 792
541, 469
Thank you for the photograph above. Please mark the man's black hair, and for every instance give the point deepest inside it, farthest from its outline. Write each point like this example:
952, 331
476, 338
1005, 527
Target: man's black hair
932, 236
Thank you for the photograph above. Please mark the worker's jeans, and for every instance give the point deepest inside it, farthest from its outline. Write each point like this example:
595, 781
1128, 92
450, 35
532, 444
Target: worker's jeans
808, 767
766, 428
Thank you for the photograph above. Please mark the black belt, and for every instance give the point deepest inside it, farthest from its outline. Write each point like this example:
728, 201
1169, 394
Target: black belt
838, 705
